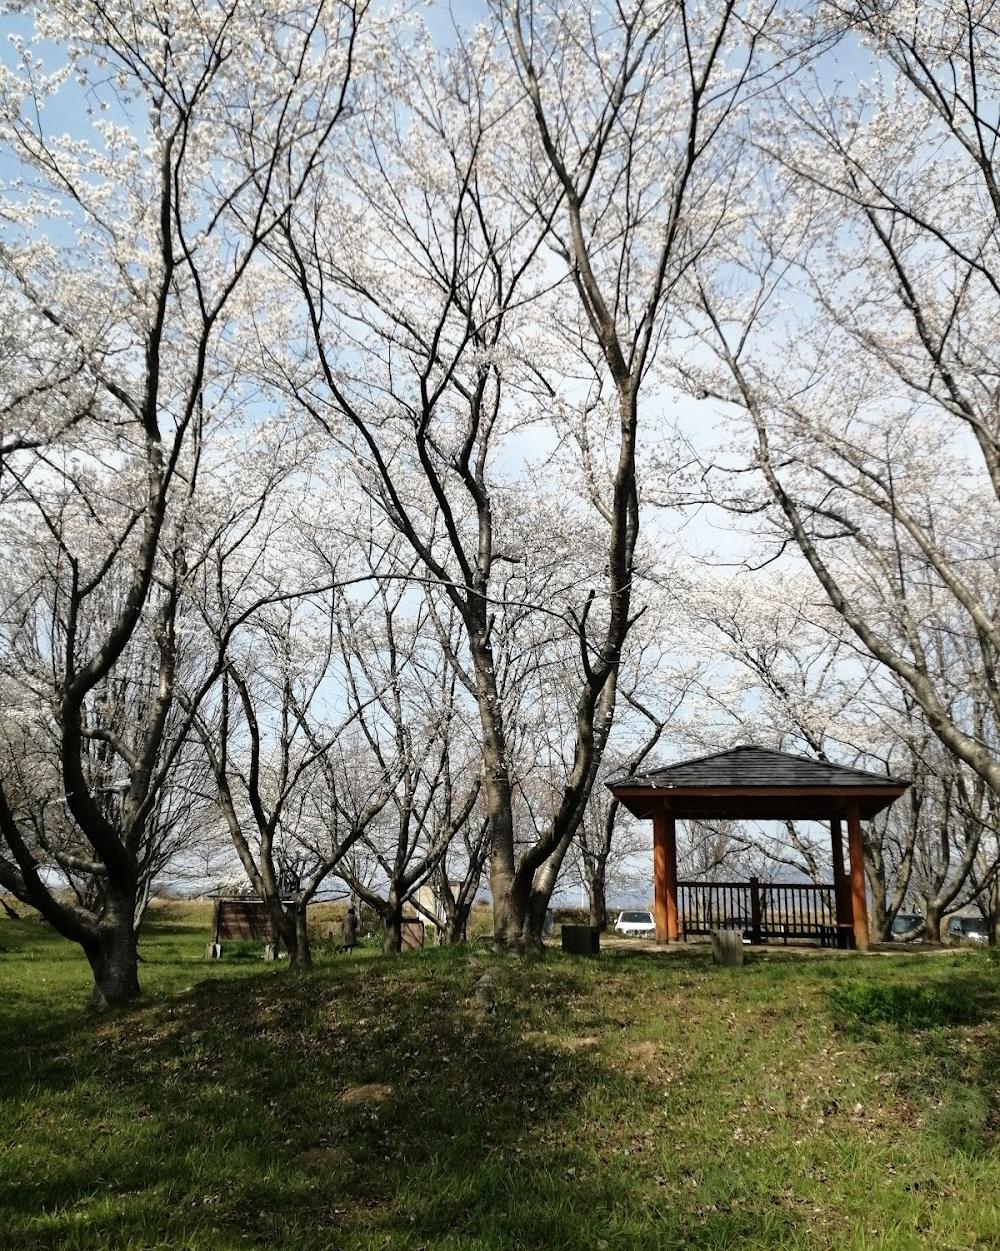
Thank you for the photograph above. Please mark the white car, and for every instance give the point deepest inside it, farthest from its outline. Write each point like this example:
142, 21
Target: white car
637, 924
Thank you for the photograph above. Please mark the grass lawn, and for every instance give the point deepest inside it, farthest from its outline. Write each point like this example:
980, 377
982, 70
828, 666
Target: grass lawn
628, 1102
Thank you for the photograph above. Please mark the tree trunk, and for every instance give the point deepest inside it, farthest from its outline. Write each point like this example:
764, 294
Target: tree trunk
114, 957
510, 896
596, 878
392, 930
456, 929
881, 922
933, 920
511, 912
299, 952
288, 930
537, 909
281, 931
542, 884
9, 910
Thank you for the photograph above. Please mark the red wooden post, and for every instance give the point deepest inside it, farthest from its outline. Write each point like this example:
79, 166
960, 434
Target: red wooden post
665, 876
841, 890
859, 900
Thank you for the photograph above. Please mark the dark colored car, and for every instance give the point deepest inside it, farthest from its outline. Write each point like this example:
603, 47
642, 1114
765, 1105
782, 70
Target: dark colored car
969, 929
906, 925
743, 925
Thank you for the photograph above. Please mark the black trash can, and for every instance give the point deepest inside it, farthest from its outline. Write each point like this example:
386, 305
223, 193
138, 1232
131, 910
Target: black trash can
581, 940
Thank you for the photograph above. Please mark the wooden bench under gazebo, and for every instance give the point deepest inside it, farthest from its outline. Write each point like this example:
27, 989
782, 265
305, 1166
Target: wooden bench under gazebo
756, 784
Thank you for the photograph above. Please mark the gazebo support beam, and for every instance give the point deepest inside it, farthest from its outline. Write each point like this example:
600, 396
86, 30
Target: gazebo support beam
859, 899
841, 889
665, 876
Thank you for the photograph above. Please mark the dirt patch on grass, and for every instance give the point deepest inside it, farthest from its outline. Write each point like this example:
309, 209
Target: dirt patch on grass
578, 1042
323, 1158
561, 1042
369, 1092
642, 1055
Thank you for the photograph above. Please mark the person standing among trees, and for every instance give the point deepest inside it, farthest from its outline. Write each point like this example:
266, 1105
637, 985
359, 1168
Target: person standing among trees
349, 930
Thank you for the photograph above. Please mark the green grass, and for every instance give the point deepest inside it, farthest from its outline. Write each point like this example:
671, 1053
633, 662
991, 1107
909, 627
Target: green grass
628, 1102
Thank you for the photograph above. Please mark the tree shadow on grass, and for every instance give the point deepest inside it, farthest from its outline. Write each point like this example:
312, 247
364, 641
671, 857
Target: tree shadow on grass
374, 1103
367, 1104
943, 1028
858, 1004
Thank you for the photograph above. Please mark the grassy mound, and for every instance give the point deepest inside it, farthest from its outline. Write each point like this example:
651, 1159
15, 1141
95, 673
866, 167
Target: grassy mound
628, 1102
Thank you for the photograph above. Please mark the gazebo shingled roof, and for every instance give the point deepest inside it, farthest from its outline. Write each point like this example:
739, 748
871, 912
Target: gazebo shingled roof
756, 783
758, 766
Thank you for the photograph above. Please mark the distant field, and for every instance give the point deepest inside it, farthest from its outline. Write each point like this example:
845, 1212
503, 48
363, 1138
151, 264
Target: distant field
629, 1102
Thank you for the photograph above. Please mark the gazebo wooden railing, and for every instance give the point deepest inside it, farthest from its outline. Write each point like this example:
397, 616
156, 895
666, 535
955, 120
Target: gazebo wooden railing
764, 912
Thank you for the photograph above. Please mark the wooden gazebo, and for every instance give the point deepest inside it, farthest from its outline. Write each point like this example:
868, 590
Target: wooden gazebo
753, 783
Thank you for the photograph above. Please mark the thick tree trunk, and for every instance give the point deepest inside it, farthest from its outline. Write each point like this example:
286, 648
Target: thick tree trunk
510, 896
299, 952
510, 910
538, 907
524, 903
289, 930
456, 929
881, 922
9, 910
392, 930
933, 920
541, 886
281, 932
114, 958
512, 913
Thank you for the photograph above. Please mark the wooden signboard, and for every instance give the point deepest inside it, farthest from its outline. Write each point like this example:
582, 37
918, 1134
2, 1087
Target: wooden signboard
412, 933
238, 920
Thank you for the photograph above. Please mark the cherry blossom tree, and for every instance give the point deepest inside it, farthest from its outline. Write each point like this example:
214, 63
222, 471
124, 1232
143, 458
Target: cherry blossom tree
496, 252
128, 246
852, 326
177, 832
